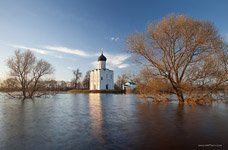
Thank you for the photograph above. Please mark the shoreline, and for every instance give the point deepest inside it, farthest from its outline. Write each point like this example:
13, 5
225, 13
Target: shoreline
97, 91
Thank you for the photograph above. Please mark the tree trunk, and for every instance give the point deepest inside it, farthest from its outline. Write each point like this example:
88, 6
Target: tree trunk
23, 91
180, 96
178, 91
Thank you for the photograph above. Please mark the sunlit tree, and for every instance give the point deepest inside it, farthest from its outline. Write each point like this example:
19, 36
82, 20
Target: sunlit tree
189, 53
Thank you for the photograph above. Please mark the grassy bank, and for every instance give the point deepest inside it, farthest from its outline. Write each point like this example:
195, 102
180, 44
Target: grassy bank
97, 91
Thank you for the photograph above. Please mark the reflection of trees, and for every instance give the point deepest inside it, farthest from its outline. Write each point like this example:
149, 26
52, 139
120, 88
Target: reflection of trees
180, 113
155, 125
178, 126
96, 115
162, 125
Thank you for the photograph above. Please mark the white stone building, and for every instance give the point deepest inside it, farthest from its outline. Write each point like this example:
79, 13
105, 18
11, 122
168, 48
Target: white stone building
101, 78
129, 85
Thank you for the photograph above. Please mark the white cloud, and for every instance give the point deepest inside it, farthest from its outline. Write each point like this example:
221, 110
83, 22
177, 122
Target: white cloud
117, 59
41, 51
115, 39
58, 56
114, 60
67, 50
54, 51
70, 68
123, 66
94, 63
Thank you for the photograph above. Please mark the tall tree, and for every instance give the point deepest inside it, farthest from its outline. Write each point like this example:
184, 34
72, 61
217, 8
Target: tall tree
76, 80
86, 80
26, 72
188, 53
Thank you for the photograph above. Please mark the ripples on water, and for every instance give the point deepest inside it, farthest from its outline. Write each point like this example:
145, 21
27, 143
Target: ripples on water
108, 121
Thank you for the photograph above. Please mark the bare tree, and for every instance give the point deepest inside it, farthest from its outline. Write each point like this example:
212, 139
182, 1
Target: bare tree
188, 53
77, 76
152, 86
10, 85
121, 80
86, 80
26, 73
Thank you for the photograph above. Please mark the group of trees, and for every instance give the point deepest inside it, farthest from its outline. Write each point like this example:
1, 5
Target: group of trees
76, 81
121, 80
180, 55
30, 77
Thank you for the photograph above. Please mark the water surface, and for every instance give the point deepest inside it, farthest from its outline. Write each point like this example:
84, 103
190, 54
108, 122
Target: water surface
109, 121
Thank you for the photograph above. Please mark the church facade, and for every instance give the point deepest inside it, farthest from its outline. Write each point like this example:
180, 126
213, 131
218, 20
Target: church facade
101, 78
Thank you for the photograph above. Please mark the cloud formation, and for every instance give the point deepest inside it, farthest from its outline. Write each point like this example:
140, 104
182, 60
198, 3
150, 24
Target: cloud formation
67, 50
123, 66
40, 51
115, 61
70, 68
58, 56
94, 63
115, 39
47, 49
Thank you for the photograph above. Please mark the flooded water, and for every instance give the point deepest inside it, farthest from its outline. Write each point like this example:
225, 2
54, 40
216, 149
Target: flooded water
109, 121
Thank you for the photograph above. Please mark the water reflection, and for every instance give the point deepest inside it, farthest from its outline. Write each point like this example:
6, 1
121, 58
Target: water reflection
180, 113
174, 126
108, 121
95, 111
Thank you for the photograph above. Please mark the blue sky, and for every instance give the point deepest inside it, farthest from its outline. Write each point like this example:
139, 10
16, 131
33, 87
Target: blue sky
71, 33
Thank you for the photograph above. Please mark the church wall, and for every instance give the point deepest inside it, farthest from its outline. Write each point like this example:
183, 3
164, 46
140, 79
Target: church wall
107, 79
94, 79
100, 78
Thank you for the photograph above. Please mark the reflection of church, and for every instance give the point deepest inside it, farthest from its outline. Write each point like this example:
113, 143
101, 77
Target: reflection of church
96, 115
101, 78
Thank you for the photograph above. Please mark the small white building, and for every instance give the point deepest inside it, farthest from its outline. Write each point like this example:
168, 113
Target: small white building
101, 78
129, 85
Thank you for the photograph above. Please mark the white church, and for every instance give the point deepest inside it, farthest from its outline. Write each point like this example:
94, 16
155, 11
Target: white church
101, 78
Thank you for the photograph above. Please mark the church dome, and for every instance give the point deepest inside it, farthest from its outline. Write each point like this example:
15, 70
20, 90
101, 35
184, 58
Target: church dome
102, 58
